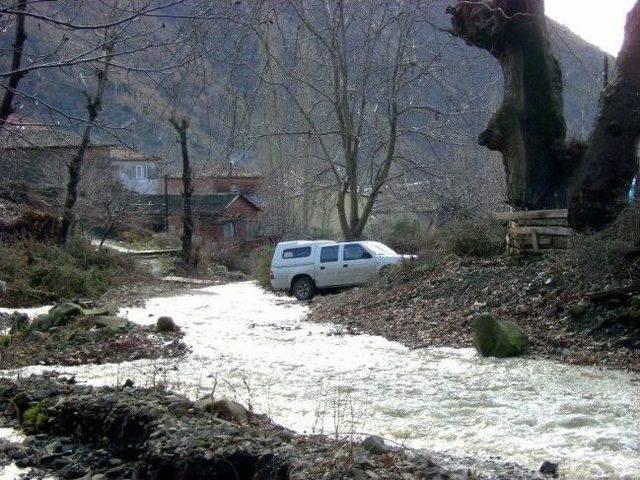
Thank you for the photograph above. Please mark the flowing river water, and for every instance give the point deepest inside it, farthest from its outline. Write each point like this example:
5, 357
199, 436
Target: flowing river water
256, 347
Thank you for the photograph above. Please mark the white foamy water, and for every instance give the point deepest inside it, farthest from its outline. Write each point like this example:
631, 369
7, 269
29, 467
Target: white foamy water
256, 347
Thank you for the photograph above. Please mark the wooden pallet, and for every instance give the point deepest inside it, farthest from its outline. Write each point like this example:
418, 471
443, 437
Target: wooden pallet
537, 230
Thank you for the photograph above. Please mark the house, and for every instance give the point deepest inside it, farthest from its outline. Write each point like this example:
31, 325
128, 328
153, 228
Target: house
38, 153
216, 217
209, 178
137, 172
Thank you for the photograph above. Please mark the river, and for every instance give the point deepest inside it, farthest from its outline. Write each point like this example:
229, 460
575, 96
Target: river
257, 348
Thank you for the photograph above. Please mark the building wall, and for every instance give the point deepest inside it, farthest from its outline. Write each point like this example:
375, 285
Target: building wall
127, 173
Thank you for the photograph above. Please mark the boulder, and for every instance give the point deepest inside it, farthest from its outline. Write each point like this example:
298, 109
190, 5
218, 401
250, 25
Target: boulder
17, 321
109, 321
225, 409
498, 338
58, 316
166, 324
549, 468
375, 445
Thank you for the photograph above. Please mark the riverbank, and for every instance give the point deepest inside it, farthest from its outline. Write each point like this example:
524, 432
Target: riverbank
432, 304
77, 431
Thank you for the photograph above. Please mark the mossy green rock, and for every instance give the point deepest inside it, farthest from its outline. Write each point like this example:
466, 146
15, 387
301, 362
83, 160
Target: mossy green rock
498, 338
59, 315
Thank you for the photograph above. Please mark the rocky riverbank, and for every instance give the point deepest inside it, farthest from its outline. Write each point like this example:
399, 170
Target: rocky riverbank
76, 431
429, 303
72, 335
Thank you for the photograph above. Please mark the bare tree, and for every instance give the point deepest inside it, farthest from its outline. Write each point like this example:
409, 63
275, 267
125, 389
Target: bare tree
94, 107
6, 107
542, 170
348, 71
181, 126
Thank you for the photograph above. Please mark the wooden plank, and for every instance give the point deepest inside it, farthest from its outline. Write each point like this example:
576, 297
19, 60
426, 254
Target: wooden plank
547, 222
562, 231
531, 214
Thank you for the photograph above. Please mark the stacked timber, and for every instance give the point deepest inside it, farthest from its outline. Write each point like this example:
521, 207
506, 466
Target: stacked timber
537, 230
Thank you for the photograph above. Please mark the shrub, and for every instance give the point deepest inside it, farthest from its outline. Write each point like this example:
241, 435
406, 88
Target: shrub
469, 239
613, 255
39, 272
262, 265
405, 235
210, 256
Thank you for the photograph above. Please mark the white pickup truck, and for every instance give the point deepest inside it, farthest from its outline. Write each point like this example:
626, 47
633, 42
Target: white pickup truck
303, 267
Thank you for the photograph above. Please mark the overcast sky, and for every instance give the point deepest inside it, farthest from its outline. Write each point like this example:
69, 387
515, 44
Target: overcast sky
600, 22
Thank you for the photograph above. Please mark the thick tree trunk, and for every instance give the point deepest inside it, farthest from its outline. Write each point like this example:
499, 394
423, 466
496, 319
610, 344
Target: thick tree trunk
181, 126
529, 128
6, 107
600, 185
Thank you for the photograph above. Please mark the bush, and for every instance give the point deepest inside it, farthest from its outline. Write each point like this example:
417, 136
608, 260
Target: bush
405, 235
262, 265
211, 256
613, 255
39, 272
469, 239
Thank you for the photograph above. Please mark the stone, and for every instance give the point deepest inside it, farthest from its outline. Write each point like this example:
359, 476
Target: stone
3, 288
58, 316
109, 321
634, 308
166, 324
227, 410
549, 468
375, 445
128, 383
498, 338
17, 322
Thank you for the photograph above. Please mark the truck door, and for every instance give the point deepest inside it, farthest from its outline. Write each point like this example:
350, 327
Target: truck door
327, 267
357, 266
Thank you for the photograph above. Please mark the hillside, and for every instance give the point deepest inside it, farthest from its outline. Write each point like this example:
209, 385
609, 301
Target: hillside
465, 79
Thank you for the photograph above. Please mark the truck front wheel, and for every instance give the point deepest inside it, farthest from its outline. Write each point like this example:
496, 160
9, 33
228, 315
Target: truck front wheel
303, 288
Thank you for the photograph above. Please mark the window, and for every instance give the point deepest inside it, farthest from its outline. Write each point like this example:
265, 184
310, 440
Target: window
234, 188
297, 252
139, 171
355, 251
329, 254
229, 230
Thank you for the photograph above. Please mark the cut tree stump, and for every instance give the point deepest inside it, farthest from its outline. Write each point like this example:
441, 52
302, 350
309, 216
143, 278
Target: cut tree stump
533, 231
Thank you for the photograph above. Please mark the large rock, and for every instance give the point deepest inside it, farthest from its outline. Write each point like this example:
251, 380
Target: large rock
498, 338
109, 321
58, 316
17, 322
225, 409
166, 324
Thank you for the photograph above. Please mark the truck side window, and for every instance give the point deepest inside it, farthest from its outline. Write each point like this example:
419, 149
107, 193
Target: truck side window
355, 252
297, 252
329, 254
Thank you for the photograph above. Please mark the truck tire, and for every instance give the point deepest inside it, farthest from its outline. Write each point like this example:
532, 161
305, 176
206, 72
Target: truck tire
303, 288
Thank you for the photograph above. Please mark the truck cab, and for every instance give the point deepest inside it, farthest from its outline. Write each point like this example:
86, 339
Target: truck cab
304, 267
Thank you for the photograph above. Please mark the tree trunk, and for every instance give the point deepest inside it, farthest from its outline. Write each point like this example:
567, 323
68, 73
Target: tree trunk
601, 183
529, 128
181, 126
94, 107
6, 107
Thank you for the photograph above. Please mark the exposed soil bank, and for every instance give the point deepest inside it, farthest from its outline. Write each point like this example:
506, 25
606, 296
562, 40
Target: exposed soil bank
433, 305
76, 431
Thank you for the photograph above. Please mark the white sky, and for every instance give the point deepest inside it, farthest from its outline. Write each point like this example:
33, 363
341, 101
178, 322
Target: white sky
600, 22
